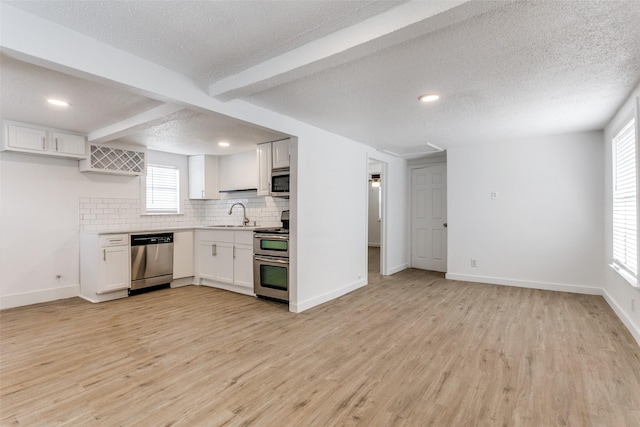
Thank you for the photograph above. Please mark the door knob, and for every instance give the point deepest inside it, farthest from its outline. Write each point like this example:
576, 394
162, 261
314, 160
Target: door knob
445, 225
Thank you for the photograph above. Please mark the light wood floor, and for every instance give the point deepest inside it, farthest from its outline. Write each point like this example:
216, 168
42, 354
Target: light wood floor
412, 349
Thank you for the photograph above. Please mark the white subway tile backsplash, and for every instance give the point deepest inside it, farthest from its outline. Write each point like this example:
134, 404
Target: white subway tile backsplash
114, 214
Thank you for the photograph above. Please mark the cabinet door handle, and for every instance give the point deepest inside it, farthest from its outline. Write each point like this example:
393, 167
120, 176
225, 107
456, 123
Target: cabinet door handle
43, 143
104, 254
56, 139
203, 194
234, 251
214, 250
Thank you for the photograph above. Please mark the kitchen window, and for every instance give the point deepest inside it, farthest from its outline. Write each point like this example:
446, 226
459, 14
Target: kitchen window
162, 190
625, 208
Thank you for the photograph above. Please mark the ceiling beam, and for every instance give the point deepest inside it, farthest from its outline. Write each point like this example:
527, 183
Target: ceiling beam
131, 124
348, 44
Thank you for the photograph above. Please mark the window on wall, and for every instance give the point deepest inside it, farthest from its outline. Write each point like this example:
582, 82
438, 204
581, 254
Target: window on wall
625, 192
162, 190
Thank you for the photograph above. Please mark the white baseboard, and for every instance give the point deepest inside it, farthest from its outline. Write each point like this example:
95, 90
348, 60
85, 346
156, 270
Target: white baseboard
36, 297
396, 269
547, 286
623, 316
183, 281
321, 299
228, 287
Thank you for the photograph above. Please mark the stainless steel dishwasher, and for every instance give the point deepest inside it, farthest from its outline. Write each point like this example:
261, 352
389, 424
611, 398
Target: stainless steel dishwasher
151, 260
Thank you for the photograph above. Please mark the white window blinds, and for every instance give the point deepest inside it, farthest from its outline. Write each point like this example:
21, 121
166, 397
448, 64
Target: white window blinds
625, 214
163, 189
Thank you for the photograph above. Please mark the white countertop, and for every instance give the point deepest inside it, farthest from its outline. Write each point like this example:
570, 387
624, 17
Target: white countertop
170, 229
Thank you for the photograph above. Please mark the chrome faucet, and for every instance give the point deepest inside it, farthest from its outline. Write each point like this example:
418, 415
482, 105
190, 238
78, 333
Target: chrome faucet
245, 220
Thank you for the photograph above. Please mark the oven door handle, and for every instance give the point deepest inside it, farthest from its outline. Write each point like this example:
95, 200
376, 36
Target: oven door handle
270, 237
267, 259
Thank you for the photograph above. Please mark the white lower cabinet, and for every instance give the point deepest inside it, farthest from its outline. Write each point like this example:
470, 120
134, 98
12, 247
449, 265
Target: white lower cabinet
224, 259
104, 266
114, 269
183, 261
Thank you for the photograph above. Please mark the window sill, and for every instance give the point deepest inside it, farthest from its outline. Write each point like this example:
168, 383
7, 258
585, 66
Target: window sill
633, 281
160, 213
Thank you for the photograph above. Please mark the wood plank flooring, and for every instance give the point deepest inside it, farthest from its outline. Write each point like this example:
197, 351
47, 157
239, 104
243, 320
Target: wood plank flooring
412, 349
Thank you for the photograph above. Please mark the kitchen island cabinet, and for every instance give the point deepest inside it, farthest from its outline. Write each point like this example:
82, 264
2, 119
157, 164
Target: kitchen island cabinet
224, 259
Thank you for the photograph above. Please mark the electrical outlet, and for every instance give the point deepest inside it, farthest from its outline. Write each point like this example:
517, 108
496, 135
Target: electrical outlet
474, 263
495, 195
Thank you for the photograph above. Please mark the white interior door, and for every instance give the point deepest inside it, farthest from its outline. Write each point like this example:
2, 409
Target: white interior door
429, 217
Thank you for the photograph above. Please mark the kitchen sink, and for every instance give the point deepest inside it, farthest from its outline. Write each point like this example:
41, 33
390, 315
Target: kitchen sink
227, 226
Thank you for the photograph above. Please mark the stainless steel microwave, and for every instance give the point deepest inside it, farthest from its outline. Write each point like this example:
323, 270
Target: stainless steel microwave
280, 183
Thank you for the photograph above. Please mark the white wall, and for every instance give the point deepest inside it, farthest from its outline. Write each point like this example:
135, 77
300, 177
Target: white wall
374, 226
618, 292
546, 228
331, 207
39, 223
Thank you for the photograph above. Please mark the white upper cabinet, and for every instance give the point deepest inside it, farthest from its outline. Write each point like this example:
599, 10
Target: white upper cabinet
280, 154
238, 172
25, 138
264, 169
22, 138
203, 177
66, 143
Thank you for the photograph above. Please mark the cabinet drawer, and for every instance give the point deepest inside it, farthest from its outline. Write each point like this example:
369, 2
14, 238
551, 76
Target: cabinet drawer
244, 237
114, 240
223, 236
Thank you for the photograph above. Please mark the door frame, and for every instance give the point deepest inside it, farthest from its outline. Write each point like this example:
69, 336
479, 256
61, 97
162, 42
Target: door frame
383, 220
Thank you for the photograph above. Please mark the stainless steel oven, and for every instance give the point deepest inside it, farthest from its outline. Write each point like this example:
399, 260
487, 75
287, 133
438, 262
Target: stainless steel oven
269, 243
271, 264
271, 277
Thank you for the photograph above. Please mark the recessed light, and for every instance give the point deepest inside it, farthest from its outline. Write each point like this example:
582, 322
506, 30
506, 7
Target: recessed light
430, 97
58, 102
223, 144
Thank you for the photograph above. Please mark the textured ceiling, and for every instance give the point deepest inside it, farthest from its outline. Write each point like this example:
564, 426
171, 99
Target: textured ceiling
523, 70
205, 40
26, 87
189, 132
505, 69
